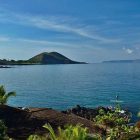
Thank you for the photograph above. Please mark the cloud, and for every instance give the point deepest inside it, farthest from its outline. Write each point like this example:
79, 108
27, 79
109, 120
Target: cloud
128, 50
41, 42
56, 23
4, 39
34, 42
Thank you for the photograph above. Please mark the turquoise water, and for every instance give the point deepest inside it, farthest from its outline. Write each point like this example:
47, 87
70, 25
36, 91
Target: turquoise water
64, 86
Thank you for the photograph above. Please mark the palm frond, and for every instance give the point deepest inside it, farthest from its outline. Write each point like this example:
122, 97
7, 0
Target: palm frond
2, 91
6, 96
50, 129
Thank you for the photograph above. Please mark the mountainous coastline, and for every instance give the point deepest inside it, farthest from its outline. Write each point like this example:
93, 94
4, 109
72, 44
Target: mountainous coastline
123, 61
43, 58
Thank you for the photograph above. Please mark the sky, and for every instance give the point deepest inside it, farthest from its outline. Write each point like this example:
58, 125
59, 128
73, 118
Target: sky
83, 30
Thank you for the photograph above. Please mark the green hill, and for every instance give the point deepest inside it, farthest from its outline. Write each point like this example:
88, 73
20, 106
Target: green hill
43, 58
51, 58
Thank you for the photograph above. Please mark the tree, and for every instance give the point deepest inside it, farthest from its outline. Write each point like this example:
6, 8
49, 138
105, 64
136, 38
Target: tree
5, 96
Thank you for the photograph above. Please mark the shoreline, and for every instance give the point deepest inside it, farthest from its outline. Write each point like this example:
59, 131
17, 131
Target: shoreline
27, 121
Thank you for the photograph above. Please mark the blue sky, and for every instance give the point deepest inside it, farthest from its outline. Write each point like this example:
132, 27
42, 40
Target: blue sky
83, 30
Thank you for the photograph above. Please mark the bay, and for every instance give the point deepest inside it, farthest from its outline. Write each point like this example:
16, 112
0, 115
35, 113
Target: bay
64, 86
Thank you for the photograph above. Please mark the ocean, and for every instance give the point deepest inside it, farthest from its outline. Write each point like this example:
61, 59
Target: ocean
64, 86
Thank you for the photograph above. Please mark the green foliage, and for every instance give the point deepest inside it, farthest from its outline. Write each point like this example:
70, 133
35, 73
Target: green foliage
117, 125
123, 132
5, 96
3, 129
51, 131
138, 114
110, 119
68, 133
36, 137
118, 131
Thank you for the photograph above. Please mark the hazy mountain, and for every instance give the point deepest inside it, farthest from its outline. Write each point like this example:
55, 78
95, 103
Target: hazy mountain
123, 61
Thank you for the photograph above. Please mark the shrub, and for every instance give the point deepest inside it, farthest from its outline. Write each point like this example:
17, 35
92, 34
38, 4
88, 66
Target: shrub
3, 128
68, 133
110, 119
36, 137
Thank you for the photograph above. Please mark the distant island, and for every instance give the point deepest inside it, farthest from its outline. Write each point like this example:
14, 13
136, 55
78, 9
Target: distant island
42, 59
123, 61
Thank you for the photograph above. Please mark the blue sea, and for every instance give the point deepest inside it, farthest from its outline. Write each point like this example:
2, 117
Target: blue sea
64, 86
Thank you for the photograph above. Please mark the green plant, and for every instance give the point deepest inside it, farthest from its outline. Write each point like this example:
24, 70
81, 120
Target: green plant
123, 132
138, 114
3, 129
68, 133
36, 137
5, 96
111, 118
116, 125
113, 134
51, 131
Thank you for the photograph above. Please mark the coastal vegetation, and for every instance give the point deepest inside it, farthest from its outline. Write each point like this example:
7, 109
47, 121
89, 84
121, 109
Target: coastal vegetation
107, 123
68, 133
116, 126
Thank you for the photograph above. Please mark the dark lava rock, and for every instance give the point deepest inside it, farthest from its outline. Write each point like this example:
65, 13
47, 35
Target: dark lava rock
84, 112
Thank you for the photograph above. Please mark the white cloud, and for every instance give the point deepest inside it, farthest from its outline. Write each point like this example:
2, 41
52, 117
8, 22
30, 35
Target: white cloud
56, 23
128, 50
35, 42
41, 42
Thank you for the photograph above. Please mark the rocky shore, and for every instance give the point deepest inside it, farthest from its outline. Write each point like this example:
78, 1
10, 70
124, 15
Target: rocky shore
91, 113
23, 122
87, 113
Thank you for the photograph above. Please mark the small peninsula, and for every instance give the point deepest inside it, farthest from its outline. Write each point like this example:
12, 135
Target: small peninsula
42, 59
